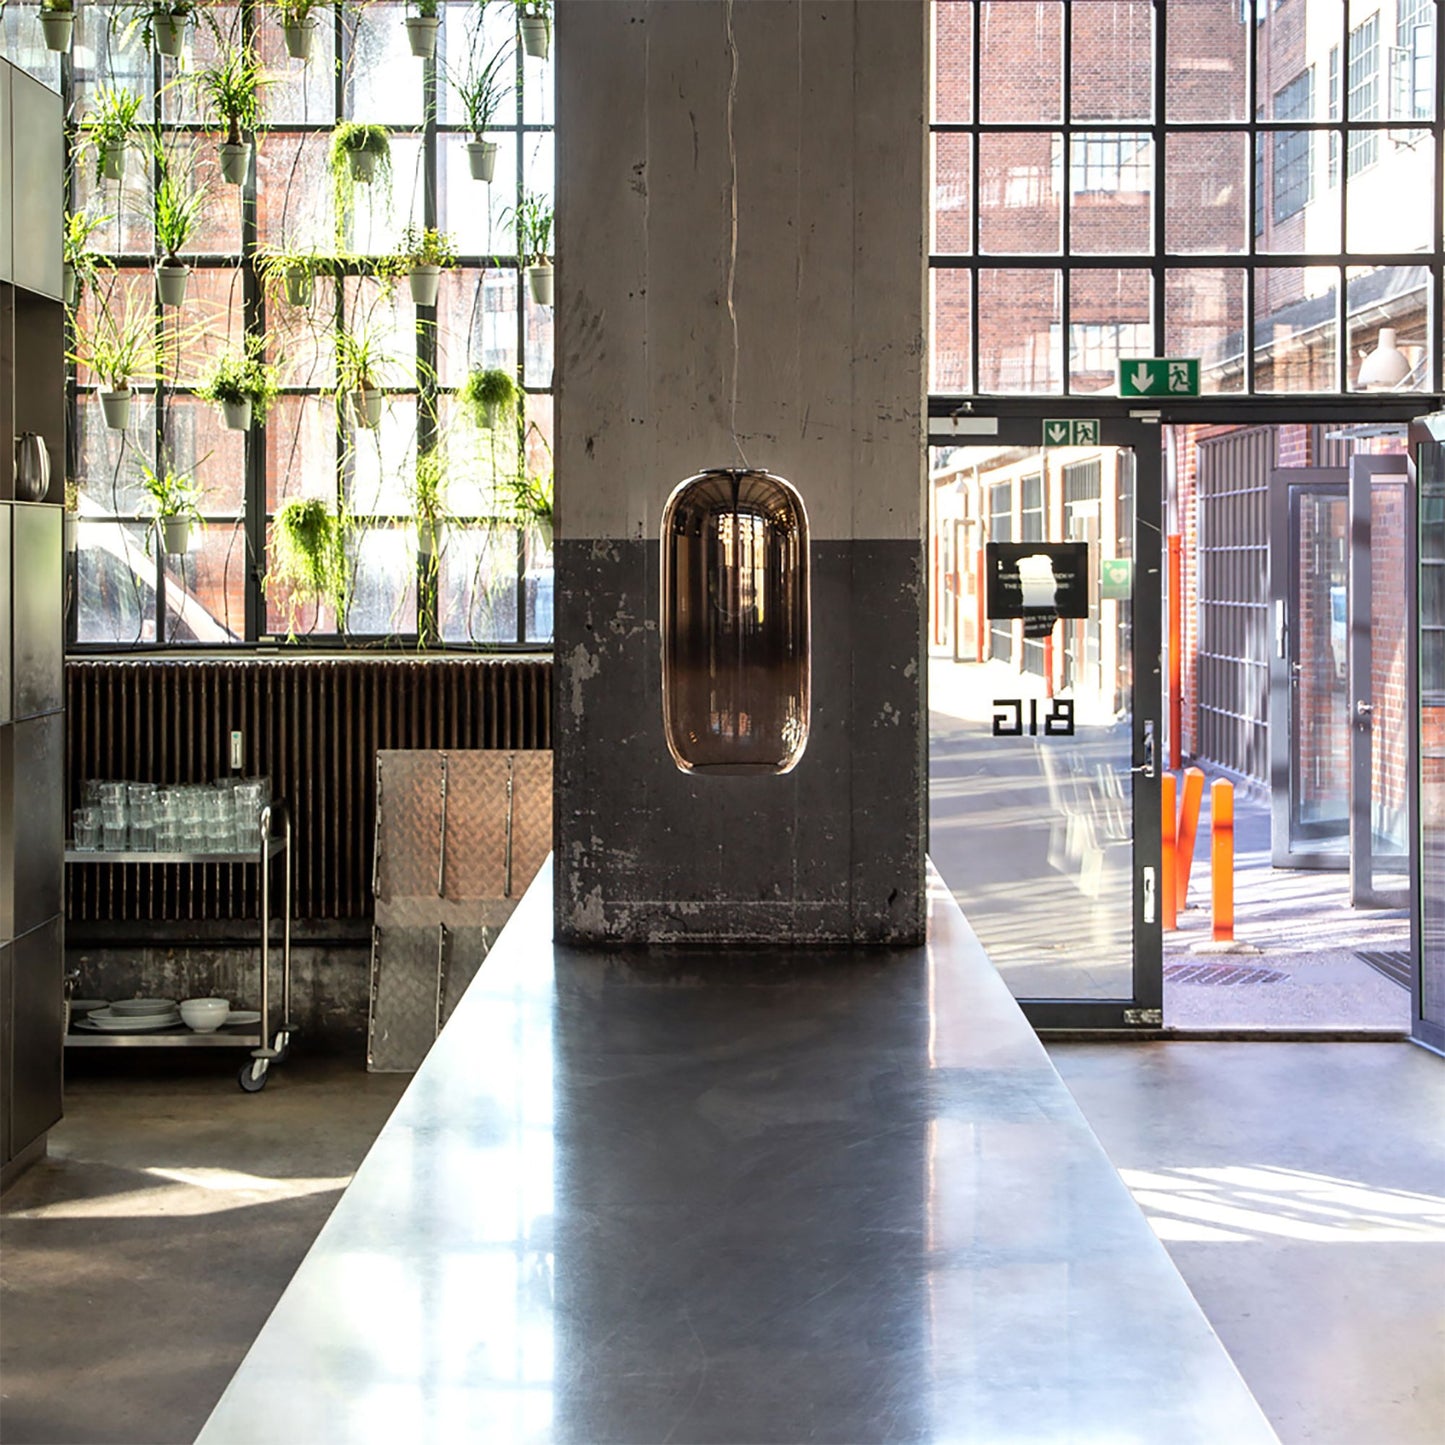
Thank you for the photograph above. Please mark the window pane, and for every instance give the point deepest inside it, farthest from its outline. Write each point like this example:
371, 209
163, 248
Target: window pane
199, 444
1390, 206
476, 323
539, 105
478, 585
1019, 201
380, 463
1296, 336
383, 593
478, 214
299, 92
949, 369
537, 363
115, 580
382, 209
382, 78
206, 587
1204, 317
953, 61
1206, 62
110, 466
479, 461
1113, 70
1395, 296
471, 36
1109, 318
301, 450
293, 204
302, 338
1111, 189
1205, 191
301, 620
1022, 54
952, 194
210, 324
1020, 331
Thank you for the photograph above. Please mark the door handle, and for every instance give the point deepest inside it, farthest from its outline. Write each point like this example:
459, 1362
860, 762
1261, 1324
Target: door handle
1147, 767
1363, 710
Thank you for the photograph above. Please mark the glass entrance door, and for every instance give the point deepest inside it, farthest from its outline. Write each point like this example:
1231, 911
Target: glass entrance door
1309, 671
1044, 788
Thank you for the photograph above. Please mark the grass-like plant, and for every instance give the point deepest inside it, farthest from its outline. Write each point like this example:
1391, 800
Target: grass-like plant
532, 216
308, 556
172, 493
425, 246
482, 85
489, 396
84, 263
293, 272
118, 343
231, 88
109, 123
177, 204
245, 378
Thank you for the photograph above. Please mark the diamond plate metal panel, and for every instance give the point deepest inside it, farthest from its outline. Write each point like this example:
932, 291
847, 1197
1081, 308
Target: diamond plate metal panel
531, 817
467, 952
476, 844
408, 825
406, 965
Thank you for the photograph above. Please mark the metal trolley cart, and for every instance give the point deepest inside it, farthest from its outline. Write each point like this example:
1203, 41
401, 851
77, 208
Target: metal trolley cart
267, 1048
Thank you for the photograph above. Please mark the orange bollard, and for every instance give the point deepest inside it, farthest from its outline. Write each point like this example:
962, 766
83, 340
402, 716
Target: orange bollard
1188, 832
1167, 853
1221, 857
1176, 648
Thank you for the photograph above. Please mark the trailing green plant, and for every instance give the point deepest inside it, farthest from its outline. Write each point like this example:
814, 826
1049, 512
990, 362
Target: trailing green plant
232, 90
350, 138
118, 343
76, 251
483, 86
298, 12
489, 396
308, 556
248, 377
360, 362
531, 495
143, 17
293, 273
532, 216
177, 204
172, 493
110, 121
425, 246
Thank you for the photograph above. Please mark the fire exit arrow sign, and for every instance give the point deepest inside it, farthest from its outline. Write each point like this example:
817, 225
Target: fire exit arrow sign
1159, 376
1071, 432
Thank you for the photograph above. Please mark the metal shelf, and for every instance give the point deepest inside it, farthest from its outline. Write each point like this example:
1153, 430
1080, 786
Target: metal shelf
99, 855
165, 1038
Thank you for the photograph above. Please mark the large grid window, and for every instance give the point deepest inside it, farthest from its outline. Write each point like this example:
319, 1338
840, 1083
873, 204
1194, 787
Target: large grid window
1147, 181
482, 576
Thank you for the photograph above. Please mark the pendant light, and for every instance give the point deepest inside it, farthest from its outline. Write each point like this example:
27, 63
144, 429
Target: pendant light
1386, 366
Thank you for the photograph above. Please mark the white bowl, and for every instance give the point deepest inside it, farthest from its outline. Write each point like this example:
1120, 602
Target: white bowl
205, 1015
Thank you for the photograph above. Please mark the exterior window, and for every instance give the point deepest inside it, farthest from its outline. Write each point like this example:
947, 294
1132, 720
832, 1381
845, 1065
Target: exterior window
1363, 94
1334, 169
1292, 178
1412, 61
1000, 529
1031, 519
1111, 163
1259, 186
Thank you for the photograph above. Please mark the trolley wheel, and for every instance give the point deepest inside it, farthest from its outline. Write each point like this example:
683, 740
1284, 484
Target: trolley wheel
252, 1077
282, 1044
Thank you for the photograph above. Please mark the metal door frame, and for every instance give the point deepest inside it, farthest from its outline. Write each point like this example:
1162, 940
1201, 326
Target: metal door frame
1285, 486
1365, 472
1140, 434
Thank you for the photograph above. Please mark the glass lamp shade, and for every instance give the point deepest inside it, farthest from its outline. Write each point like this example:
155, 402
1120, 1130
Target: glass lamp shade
735, 623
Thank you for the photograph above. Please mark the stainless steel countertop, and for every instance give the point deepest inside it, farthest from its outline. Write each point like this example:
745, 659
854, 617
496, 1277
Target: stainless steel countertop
732, 1196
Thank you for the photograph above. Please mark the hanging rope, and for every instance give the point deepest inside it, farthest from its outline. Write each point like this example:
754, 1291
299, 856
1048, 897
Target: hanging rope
733, 227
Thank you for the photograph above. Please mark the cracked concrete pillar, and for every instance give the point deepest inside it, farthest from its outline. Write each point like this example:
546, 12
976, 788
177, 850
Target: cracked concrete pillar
824, 384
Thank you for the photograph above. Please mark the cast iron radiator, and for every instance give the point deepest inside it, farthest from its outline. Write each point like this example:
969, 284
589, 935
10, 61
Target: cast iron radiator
313, 726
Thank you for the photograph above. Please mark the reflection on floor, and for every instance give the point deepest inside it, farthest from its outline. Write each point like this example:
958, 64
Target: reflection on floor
1043, 876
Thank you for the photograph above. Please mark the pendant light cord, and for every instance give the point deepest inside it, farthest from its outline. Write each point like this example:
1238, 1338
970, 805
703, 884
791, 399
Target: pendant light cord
733, 227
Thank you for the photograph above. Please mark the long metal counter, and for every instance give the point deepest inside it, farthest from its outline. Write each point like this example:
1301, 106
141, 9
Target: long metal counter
744, 1196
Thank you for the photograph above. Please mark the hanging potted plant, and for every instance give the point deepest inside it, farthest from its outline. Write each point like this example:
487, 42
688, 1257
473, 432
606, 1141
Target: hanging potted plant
120, 347
176, 207
423, 254
535, 20
361, 149
490, 396
422, 27
427, 504
308, 556
70, 517
482, 88
532, 216
532, 502
108, 126
57, 19
294, 273
175, 504
297, 26
232, 90
359, 364
79, 263
162, 23
244, 386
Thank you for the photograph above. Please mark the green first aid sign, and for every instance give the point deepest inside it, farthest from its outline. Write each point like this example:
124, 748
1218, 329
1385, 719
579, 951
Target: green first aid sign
1116, 579
1159, 376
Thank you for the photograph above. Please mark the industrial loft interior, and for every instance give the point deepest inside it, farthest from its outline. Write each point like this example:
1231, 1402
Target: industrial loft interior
722, 721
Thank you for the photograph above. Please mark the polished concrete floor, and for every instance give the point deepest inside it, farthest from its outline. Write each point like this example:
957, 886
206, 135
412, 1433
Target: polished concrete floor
139, 1262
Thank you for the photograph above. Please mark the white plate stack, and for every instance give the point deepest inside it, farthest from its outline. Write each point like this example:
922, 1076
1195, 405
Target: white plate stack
132, 1016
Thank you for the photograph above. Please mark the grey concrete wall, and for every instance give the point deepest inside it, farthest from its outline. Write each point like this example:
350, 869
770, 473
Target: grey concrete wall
827, 388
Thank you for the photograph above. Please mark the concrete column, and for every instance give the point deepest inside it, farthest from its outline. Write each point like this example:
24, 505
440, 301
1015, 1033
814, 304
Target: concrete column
828, 281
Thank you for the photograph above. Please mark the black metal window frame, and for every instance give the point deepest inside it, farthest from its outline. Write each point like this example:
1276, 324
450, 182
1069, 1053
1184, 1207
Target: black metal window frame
1293, 180
255, 516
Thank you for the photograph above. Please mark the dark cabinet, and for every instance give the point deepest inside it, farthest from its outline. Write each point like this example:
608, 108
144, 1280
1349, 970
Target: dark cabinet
37, 656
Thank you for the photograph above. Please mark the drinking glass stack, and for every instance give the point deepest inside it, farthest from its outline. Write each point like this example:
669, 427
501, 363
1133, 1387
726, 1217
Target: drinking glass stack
220, 817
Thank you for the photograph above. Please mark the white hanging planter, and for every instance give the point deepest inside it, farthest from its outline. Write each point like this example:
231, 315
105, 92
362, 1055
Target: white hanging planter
57, 25
363, 166
424, 283
176, 534
482, 158
366, 407
297, 285
115, 407
69, 285
536, 35
298, 39
171, 283
539, 277
112, 162
421, 31
235, 161
170, 33
544, 531
236, 415
69, 531
430, 536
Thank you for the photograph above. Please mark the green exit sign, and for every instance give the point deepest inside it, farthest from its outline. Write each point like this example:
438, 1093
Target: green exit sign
1071, 432
1159, 376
